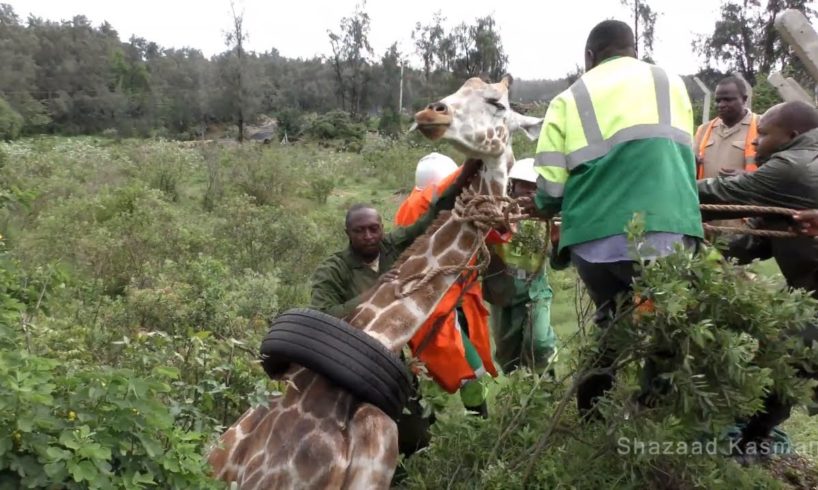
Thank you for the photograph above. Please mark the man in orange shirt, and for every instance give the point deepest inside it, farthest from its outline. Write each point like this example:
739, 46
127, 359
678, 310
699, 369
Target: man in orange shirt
454, 342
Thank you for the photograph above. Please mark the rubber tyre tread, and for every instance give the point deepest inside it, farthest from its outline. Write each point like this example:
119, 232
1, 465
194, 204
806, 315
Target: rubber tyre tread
361, 343
343, 354
358, 340
389, 366
335, 364
320, 352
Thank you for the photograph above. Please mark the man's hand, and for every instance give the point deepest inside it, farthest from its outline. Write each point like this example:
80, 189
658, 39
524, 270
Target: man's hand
390, 275
807, 222
528, 207
730, 172
467, 172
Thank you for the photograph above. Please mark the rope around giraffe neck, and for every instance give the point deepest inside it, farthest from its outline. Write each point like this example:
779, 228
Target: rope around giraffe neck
741, 210
482, 211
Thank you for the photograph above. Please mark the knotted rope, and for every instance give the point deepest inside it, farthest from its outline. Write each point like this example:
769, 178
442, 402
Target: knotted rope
482, 211
745, 210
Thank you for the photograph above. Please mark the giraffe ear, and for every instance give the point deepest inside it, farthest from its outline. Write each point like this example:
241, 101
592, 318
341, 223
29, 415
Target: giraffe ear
530, 125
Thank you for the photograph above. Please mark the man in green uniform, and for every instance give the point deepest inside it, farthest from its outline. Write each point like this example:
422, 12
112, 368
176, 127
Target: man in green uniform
517, 287
339, 281
616, 143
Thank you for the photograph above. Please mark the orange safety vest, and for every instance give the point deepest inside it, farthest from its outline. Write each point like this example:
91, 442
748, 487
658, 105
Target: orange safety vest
444, 354
749, 149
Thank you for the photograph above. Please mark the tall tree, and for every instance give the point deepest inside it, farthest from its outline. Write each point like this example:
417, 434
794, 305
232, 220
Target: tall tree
234, 38
644, 23
351, 54
475, 50
428, 40
744, 39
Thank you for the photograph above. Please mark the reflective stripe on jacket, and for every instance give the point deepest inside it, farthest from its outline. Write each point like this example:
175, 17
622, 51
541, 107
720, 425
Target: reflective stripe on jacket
616, 143
749, 149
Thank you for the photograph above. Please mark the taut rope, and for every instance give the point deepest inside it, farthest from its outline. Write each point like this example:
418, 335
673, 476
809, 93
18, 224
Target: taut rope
484, 212
741, 210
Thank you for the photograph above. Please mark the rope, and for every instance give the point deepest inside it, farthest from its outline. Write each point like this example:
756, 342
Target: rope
740, 230
484, 212
742, 210
747, 210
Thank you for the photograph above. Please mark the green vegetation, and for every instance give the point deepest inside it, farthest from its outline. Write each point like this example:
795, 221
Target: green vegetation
138, 278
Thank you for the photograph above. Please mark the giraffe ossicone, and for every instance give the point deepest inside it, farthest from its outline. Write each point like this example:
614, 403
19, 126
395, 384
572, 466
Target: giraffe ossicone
316, 435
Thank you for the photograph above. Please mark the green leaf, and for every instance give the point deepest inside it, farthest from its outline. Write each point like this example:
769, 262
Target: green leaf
83, 471
152, 448
56, 471
25, 422
57, 454
167, 372
69, 439
5, 445
95, 451
143, 479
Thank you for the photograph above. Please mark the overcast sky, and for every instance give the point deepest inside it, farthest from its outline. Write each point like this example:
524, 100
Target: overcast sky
543, 39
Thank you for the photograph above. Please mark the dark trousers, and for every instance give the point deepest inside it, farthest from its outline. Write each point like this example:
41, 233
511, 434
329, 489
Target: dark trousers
607, 284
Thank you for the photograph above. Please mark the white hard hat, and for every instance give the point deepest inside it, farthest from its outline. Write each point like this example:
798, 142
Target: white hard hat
523, 170
433, 168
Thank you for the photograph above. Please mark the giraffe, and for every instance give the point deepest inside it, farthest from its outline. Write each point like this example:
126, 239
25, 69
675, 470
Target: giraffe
316, 435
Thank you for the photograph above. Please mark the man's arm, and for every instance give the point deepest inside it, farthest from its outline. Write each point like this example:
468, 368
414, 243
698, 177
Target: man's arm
550, 162
747, 248
328, 289
771, 185
402, 237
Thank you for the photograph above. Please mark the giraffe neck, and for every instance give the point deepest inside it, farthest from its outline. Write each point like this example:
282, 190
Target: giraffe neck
394, 321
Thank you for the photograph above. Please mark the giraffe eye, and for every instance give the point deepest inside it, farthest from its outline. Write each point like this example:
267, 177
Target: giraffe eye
496, 103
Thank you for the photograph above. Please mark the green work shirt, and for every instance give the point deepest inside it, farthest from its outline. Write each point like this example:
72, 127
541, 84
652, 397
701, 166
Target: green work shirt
338, 282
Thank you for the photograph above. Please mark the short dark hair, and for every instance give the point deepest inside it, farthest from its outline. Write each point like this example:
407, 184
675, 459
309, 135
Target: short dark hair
356, 207
738, 82
610, 35
796, 116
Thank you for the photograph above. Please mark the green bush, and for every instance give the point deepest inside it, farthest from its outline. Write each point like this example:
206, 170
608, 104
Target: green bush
321, 188
717, 362
339, 129
10, 121
69, 425
290, 123
390, 124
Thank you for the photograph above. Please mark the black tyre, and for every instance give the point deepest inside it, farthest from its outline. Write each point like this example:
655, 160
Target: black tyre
343, 354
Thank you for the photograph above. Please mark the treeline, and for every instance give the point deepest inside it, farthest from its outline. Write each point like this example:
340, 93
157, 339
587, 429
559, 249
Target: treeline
71, 77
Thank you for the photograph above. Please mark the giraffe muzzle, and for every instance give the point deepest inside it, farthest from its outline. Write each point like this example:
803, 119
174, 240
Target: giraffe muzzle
433, 121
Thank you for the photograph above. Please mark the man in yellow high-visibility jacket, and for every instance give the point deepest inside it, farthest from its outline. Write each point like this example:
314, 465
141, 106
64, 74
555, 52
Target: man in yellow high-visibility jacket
616, 143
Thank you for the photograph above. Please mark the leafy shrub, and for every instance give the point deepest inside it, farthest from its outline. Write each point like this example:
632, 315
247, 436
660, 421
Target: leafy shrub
390, 124
10, 121
339, 128
290, 123
321, 188
73, 426
717, 362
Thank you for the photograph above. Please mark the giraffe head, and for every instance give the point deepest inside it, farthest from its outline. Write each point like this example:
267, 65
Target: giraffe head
477, 119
